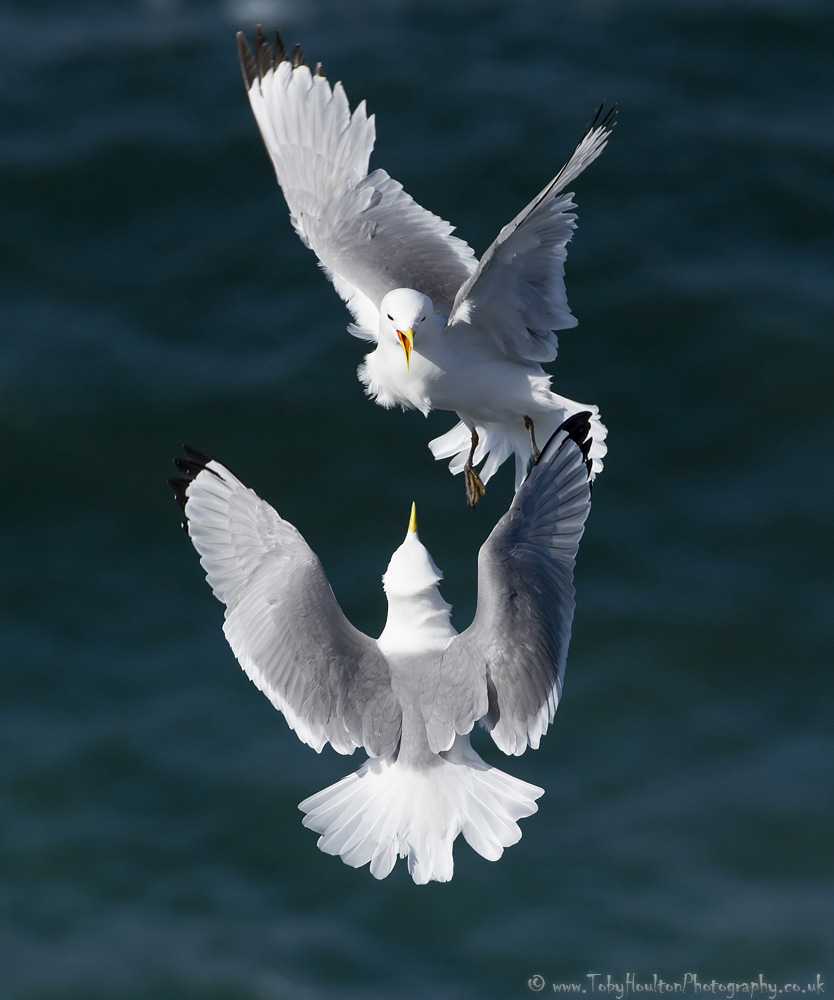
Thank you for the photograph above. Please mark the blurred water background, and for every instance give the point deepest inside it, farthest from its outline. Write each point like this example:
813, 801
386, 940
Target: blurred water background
153, 292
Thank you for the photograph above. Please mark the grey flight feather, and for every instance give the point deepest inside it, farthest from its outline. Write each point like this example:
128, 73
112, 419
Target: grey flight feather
516, 647
282, 620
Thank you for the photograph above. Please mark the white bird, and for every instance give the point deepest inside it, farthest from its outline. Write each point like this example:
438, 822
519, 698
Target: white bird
411, 697
451, 333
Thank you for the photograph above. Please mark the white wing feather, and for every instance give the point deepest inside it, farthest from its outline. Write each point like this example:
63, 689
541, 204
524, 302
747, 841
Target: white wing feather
369, 235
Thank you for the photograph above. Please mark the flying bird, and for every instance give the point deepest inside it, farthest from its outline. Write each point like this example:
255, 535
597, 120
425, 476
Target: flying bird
451, 332
411, 697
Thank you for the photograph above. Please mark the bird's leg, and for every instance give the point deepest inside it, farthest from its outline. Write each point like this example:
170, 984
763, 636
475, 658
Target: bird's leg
528, 423
475, 489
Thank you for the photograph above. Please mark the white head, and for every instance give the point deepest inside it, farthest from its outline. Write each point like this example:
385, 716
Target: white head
401, 313
411, 570
417, 614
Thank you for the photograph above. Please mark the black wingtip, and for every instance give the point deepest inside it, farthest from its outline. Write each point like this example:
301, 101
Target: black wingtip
263, 53
577, 428
264, 59
279, 50
248, 66
188, 468
602, 119
194, 463
298, 57
196, 455
191, 466
179, 485
255, 65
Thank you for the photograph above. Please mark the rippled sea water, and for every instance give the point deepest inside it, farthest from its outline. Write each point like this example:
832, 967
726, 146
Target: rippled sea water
153, 292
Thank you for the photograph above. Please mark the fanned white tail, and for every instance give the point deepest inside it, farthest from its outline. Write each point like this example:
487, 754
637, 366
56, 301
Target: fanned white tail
388, 809
497, 441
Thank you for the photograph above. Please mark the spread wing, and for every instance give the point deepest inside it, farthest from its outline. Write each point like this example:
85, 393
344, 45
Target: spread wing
369, 235
517, 644
282, 620
517, 296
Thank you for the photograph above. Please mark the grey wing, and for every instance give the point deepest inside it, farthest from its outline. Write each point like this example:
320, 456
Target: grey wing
520, 634
517, 296
282, 620
369, 235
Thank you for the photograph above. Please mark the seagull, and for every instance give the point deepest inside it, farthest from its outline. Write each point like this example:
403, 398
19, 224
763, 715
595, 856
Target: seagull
411, 697
451, 332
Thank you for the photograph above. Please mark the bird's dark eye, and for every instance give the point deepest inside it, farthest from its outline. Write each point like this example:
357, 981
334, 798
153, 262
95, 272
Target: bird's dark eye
422, 318
390, 317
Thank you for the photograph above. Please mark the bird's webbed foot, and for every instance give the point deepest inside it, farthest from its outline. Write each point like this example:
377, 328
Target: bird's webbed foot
475, 488
531, 430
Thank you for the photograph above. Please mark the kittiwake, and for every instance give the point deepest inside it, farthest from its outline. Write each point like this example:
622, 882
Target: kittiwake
411, 697
451, 332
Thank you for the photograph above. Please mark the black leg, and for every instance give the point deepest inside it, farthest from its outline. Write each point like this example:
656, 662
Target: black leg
528, 423
475, 489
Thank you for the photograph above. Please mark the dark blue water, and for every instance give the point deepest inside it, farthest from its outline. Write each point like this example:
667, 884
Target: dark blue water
154, 292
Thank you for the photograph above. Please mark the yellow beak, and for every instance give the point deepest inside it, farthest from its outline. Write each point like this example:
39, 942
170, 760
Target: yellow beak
412, 523
407, 341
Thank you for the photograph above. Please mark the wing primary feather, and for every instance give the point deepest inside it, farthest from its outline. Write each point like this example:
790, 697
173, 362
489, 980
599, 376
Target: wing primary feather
248, 66
560, 180
193, 469
189, 469
592, 124
196, 462
576, 427
298, 57
263, 55
202, 460
266, 58
279, 52
179, 486
598, 121
196, 455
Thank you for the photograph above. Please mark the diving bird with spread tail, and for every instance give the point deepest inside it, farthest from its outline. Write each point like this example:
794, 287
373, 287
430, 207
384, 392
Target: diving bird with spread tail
411, 697
451, 332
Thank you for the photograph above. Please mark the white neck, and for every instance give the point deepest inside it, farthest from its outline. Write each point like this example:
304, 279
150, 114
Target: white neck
417, 623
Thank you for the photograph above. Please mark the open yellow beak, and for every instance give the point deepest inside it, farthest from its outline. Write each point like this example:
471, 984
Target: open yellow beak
407, 342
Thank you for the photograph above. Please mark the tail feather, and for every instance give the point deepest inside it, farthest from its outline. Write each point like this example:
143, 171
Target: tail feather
495, 802
496, 442
388, 809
